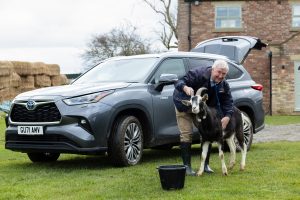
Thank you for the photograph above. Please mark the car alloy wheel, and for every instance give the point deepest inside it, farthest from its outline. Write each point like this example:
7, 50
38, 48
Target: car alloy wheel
126, 141
132, 142
248, 130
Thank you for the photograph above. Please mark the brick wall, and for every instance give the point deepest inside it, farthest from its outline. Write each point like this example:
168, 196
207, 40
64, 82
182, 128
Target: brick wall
269, 20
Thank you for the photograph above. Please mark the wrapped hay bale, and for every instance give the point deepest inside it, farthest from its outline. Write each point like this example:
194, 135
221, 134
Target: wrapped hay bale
59, 80
27, 83
15, 80
24, 68
54, 69
6, 68
42, 81
40, 68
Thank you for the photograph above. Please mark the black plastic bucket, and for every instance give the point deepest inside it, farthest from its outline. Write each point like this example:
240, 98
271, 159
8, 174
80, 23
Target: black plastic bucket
172, 176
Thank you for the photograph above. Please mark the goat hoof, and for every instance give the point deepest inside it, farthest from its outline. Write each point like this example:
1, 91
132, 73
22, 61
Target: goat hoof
242, 168
225, 172
199, 173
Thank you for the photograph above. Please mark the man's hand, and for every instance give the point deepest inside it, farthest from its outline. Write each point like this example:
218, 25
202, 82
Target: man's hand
224, 122
188, 90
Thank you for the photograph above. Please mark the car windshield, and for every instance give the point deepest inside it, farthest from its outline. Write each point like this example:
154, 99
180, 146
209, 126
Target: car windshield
123, 70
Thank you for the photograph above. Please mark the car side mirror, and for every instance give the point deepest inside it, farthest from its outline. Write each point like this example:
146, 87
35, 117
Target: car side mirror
165, 79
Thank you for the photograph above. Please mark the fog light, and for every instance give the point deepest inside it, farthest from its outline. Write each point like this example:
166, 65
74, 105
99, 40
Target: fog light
85, 124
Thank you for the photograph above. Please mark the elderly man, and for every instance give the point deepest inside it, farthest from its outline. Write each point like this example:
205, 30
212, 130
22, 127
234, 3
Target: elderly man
219, 96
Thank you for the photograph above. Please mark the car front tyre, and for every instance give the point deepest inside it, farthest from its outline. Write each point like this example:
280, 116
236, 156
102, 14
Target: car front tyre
126, 142
43, 157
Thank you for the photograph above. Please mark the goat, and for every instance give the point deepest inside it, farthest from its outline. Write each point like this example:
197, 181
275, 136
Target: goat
206, 119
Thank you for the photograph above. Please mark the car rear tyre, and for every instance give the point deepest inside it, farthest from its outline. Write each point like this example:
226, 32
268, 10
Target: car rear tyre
248, 131
43, 157
126, 142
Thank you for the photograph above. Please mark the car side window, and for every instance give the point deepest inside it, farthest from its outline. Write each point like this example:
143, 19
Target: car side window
196, 62
233, 72
170, 66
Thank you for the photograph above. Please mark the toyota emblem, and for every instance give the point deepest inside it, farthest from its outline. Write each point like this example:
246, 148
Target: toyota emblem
30, 105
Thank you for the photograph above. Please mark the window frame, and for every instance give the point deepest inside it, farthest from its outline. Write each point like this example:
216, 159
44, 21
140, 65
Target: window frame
153, 76
237, 69
295, 16
227, 17
190, 59
227, 5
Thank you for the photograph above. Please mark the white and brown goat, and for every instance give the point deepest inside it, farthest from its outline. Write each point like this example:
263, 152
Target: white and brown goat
206, 119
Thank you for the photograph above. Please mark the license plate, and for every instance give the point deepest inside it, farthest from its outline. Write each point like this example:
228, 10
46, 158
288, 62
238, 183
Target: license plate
30, 130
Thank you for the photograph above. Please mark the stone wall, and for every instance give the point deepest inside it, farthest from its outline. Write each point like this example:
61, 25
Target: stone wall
268, 20
17, 77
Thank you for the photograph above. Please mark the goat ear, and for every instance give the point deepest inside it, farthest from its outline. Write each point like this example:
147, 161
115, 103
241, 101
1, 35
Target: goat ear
186, 102
205, 97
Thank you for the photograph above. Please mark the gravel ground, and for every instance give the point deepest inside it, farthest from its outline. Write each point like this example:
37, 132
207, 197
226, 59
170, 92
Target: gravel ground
276, 133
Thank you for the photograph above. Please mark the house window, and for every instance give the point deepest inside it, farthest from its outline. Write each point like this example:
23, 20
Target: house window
228, 17
296, 16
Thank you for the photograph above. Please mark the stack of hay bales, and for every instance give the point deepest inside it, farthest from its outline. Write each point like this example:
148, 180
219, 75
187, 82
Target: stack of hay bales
17, 77
10, 81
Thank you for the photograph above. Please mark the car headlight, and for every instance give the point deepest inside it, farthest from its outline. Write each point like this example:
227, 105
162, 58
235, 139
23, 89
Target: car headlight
89, 98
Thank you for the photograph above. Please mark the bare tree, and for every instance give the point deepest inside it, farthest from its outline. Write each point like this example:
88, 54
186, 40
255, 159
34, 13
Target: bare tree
120, 41
167, 10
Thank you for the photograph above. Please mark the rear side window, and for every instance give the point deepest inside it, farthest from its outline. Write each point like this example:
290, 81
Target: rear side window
170, 66
234, 72
196, 62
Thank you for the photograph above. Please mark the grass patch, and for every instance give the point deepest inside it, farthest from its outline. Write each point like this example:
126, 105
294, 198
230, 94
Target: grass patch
2, 126
272, 172
282, 119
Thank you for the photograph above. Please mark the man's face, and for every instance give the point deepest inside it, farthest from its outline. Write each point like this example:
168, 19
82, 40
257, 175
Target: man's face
218, 74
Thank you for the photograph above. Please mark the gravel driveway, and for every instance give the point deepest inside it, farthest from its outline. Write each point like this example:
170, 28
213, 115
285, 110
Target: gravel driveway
275, 133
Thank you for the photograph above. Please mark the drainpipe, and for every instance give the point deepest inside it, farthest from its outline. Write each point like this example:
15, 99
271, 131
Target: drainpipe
190, 26
270, 62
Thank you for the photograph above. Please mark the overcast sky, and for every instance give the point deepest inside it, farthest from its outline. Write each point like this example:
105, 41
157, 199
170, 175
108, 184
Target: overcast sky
57, 31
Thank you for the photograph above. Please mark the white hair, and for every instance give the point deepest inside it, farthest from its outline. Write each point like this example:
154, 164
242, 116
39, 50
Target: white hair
221, 64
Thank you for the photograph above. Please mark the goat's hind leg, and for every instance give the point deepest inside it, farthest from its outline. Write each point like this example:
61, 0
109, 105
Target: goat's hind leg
242, 144
232, 148
203, 158
221, 155
244, 154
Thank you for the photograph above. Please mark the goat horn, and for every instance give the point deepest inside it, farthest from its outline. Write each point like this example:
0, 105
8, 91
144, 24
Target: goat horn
200, 90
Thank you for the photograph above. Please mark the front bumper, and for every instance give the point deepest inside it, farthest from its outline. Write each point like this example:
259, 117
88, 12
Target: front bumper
61, 139
66, 136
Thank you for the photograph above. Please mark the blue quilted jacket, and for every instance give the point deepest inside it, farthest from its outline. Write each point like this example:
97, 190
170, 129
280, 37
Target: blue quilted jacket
200, 77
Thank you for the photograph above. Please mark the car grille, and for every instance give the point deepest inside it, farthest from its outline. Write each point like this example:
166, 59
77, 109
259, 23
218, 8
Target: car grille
42, 113
47, 139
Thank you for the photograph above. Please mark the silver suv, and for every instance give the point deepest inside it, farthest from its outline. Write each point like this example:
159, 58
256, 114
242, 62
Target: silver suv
124, 105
